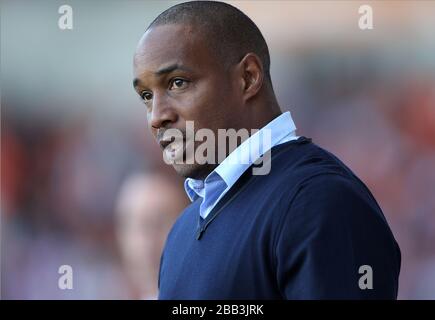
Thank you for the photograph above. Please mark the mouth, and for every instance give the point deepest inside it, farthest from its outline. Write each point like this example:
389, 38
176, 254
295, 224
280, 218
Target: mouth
165, 140
173, 151
172, 144
163, 144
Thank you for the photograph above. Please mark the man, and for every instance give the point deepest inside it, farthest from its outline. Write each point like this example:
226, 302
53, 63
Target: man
309, 229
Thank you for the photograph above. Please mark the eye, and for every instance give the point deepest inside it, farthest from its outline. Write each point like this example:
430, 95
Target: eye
177, 83
146, 96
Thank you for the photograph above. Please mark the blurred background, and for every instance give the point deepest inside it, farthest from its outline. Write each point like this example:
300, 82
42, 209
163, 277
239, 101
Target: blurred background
83, 184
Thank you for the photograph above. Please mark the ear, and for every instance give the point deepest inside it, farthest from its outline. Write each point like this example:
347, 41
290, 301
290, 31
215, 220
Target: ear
252, 75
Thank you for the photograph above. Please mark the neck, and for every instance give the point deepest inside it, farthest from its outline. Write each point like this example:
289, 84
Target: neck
263, 112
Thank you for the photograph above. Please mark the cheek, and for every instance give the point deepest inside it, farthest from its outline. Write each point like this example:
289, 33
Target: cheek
206, 102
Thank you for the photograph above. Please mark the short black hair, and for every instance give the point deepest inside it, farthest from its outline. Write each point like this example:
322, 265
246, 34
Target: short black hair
229, 32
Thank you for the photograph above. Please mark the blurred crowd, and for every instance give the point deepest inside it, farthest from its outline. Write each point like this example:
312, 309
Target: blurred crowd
96, 195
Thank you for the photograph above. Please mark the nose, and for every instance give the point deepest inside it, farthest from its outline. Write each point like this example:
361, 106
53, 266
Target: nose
162, 114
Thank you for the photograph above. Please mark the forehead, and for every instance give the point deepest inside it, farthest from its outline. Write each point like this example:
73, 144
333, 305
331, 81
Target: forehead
171, 44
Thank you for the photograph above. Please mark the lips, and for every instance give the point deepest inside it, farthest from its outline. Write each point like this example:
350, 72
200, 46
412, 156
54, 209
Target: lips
165, 141
173, 146
163, 144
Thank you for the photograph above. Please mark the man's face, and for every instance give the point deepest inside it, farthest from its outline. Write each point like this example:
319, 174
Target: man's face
180, 79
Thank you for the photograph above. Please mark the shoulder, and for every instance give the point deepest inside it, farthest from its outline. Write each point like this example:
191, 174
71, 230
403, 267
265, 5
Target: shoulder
330, 206
316, 189
325, 192
305, 171
306, 158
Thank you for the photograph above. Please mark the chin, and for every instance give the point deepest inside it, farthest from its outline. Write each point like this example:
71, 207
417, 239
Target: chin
195, 171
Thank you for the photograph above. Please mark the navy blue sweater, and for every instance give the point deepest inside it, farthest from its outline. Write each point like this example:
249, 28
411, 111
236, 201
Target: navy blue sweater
301, 232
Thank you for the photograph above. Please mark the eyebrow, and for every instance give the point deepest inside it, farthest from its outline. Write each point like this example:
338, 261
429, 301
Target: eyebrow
170, 68
165, 70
